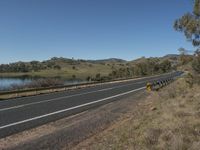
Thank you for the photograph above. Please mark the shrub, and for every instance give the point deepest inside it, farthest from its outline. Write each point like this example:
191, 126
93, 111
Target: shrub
88, 78
73, 76
98, 77
196, 64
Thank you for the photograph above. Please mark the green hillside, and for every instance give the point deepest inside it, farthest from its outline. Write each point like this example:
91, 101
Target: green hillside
82, 69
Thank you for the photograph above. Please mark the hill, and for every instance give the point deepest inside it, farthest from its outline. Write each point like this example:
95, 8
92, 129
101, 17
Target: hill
82, 69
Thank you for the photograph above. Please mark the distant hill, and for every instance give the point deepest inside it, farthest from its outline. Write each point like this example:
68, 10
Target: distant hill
62, 67
171, 56
110, 60
79, 68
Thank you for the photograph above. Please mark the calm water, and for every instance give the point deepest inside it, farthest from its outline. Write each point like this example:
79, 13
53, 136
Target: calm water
6, 83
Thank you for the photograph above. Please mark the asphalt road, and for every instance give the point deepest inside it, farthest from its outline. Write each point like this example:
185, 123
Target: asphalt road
19, 114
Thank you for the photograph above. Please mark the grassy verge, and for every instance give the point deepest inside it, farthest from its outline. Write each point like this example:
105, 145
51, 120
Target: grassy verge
168, 119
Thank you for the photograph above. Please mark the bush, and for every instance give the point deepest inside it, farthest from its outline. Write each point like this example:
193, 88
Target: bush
73, 76
88, 78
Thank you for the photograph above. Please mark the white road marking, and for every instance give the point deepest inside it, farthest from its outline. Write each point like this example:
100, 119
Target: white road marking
54, 99
71, 108
106, 89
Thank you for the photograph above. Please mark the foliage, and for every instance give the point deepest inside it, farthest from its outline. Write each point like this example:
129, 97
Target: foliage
149, 66
189, 24
29, 66
98, 77
73, 76
88, 78
184, 57
165, 66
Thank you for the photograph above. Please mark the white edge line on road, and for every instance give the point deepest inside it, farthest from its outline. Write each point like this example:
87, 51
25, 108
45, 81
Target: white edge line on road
71, 108
54, 99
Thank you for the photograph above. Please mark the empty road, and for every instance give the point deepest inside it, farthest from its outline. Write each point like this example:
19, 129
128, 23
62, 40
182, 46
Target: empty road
19, 114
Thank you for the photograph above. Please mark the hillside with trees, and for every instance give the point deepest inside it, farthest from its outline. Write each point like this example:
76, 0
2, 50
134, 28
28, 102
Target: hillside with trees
89, 69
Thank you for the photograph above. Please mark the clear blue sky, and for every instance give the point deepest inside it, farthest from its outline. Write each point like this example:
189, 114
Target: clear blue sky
89, 29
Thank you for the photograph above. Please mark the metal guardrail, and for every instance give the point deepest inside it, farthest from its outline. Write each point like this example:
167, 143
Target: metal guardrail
156, 85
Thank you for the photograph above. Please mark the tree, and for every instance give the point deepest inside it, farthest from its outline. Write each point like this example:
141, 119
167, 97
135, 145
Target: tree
189, 24
165, 66
73, 76
88, 78
184, 57
98, 77
182, 51
73, 67
57, 67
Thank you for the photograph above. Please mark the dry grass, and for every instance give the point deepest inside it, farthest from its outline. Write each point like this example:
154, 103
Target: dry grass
169, 119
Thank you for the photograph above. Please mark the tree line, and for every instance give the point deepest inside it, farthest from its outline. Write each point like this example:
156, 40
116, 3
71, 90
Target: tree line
28, 67
149, 66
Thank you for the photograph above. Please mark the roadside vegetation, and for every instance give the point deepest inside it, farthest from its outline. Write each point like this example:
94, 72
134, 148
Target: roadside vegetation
40, 83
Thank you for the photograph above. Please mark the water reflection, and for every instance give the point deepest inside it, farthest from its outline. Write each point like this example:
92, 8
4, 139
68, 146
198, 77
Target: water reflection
7, 83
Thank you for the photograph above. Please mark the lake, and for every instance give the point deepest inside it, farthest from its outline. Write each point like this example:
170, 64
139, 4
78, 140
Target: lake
7, 83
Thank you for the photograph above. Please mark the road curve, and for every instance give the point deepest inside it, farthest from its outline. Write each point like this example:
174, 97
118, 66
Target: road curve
19, 114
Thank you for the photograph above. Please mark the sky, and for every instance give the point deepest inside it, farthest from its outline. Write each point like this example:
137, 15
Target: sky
89, 29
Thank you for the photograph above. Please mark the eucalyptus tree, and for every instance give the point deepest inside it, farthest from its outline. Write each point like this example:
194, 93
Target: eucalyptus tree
189, 24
